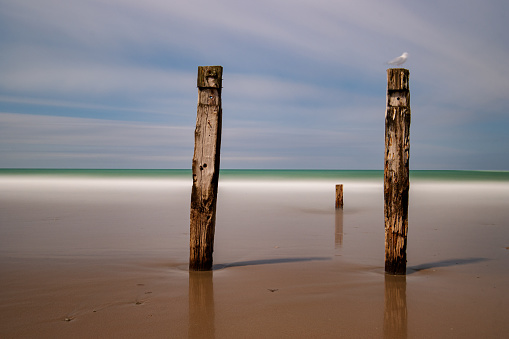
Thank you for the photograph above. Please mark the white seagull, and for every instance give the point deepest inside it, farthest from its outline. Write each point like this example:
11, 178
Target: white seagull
399, 60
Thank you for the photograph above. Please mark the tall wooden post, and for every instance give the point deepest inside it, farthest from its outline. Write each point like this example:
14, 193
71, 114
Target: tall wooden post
205, 167
396, 170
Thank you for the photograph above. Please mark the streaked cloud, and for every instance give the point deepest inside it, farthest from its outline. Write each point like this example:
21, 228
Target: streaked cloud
88, 143
304, 81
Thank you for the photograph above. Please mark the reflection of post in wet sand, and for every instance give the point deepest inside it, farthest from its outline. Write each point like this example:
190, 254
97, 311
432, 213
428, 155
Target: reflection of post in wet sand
201, 305
395, 315
339, 228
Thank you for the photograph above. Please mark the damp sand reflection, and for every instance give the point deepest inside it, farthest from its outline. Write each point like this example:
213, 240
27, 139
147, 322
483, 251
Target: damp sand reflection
201, 305
395, 311
338, 236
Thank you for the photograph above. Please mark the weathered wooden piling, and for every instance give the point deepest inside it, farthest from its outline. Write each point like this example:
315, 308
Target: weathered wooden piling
339, 196
396, 169
205, 167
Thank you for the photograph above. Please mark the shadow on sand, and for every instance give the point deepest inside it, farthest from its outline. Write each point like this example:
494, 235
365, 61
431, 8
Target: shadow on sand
267, 262
444, 263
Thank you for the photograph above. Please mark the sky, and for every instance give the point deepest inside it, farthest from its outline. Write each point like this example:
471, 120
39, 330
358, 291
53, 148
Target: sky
112, 84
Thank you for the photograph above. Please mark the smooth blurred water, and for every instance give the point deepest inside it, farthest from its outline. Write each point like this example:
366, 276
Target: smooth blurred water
261, 214
233, 174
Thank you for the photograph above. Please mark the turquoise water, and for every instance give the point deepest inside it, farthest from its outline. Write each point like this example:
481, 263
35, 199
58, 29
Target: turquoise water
446, 175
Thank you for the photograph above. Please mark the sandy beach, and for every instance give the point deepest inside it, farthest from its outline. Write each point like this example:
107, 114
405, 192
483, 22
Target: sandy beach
107, 258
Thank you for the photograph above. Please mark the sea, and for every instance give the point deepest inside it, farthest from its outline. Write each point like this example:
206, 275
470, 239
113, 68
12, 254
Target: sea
261, 214
261, 174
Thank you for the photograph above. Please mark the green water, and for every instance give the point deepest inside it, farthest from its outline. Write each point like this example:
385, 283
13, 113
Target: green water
227, 174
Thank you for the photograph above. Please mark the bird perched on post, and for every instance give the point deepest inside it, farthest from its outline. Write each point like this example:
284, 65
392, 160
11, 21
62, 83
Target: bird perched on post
399, 60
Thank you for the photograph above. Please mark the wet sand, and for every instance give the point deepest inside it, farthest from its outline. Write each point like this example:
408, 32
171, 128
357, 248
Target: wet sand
82, 258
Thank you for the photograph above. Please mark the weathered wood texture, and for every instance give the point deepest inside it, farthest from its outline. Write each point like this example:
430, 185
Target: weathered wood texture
205, 167
339, 196
396, 170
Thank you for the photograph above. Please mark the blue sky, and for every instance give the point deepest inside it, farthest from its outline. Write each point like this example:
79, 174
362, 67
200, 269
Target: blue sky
112, 84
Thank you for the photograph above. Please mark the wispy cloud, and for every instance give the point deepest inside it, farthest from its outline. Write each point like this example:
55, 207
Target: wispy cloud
51, 75
83, 143
301, 77
73, 104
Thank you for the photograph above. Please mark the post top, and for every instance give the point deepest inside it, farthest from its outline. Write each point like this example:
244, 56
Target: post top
398, 78
210, 76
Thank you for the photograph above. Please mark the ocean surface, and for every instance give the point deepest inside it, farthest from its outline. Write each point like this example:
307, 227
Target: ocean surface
146, 212
371, 175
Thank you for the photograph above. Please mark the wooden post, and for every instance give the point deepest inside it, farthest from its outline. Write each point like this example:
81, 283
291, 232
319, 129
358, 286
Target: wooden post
205, 167
339, 196
396, 170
